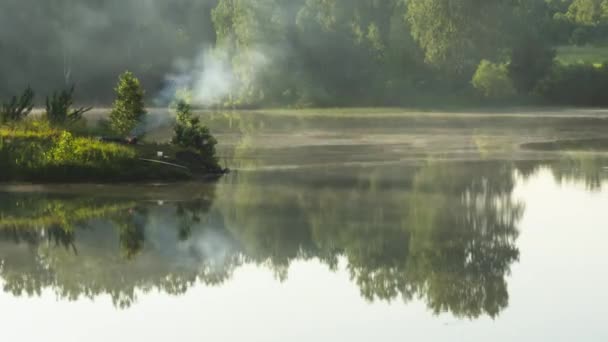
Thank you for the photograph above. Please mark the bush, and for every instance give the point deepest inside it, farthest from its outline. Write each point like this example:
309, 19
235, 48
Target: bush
575, 85
128, 110
68, 150
36, 152
59, 108
493, 80
18, 107
189, 133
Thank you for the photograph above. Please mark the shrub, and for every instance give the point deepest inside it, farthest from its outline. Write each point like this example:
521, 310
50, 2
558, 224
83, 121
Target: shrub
59, 108
128, 110
69, 150
575, 85
18, 107
24, 147
190, 133
493, 80
31, 152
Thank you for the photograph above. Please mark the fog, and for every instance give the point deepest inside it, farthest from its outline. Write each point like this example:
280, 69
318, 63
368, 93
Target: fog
52, 44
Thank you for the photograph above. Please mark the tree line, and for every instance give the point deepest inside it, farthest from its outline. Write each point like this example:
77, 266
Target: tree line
312, 52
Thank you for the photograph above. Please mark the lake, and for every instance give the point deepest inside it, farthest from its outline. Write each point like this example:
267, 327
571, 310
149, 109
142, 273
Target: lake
336, 225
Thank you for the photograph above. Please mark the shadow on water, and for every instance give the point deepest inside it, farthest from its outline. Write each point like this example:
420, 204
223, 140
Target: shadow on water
443, 233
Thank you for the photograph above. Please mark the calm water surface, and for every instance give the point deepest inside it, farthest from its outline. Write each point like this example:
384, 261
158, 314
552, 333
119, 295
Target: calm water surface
341, 228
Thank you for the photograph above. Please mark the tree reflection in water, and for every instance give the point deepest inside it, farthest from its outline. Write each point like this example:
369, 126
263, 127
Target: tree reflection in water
442, 233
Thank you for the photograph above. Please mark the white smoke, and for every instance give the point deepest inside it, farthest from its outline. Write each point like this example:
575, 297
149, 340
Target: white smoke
209, 79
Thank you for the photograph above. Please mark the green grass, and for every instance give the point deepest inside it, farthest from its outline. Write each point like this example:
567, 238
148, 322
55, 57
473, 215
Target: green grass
34, 151
595, 55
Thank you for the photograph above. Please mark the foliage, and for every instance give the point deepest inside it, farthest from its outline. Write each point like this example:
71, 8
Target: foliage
35, 129
493, 80
575, 85
587, 19
59, 109
17, 108
68, 149
588, 12
190, 133
24, 147
40, 153
452, 41
531, 54
128, 110
291, 53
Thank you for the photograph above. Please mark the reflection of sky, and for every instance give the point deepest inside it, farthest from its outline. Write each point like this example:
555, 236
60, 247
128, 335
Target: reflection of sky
557, 293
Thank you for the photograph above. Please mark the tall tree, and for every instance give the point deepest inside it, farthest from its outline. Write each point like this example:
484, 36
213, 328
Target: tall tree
456, 34
129, 109
588, 12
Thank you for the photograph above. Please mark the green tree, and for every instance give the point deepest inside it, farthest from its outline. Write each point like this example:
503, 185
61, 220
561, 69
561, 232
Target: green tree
531, 50
493, 81
129, 109
588, 12
456, 34
59, 109
190, 133
18, 107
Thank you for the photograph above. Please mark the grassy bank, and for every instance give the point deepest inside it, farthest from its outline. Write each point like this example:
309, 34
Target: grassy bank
589, 54
35, 152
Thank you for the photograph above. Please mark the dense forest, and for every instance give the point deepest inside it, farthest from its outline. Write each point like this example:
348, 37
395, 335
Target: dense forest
297, 53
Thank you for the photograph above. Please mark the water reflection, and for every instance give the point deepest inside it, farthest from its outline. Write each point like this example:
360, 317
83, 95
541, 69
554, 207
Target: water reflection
445, 233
